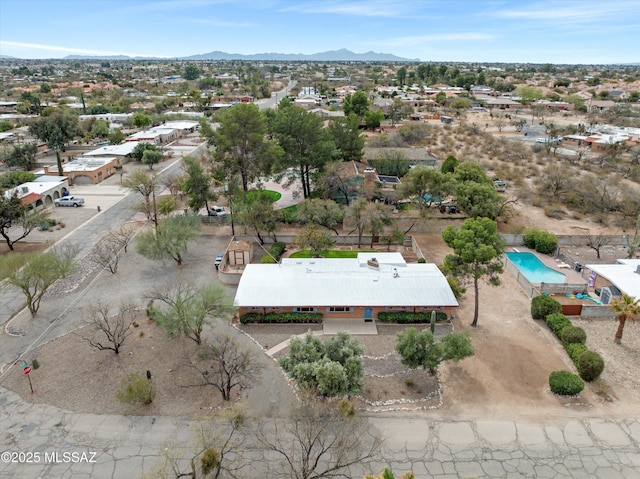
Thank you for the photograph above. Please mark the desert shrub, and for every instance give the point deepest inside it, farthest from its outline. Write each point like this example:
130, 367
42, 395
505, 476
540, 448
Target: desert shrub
575, 350
557, 322
301, 317
542, 306
542, 241
406, 317
135, 389
422, 260
565, 383
573, 334
590, 365
275, 251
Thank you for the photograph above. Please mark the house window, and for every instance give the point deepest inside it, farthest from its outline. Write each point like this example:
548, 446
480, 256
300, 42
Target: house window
276, 310
305, 309
338, 309
251, 308
396, 308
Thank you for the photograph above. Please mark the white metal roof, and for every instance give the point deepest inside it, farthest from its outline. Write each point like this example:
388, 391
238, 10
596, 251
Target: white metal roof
622, 274
114, 150
344, 282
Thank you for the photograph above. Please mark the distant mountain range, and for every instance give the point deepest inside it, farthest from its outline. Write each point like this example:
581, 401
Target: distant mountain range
342, 55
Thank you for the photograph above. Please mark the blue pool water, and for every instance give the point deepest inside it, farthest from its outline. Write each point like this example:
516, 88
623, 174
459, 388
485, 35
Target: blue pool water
534, 269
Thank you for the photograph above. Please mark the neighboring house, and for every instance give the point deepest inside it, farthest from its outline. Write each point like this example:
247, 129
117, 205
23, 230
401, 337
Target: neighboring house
84, 171
121, 152
41, 192
158, 135
623, 275
618, 95
555, 105
357, 289
599, 105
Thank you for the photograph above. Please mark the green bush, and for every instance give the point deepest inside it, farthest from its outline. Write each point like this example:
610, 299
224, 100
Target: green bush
590, 365
575, 350
135, 389
557, 322
422, 260
275, 251
406, 317
301, 317
565, 383
542, 306
573, 334
542, 241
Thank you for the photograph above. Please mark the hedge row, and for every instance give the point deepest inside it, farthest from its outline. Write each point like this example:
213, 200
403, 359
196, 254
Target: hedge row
301, 317
275, 251
589, 363
406, 317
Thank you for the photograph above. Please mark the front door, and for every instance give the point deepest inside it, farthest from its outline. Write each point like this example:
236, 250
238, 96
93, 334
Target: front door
368, 314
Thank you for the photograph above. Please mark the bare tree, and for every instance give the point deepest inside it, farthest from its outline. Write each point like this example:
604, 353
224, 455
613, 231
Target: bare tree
122, 236
500, 121
225, 365
106, 254
113, 328
596, 242
221, 449
318, 441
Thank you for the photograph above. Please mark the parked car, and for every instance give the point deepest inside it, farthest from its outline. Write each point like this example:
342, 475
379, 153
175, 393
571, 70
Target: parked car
500, 186
217, 211
69, 201
218, 260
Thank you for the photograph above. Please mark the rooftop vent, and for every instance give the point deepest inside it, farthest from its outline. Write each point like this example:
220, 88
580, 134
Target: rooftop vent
395, 273
638, 269
373, 263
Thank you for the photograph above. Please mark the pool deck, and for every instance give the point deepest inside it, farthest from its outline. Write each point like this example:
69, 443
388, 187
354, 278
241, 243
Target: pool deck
572, 276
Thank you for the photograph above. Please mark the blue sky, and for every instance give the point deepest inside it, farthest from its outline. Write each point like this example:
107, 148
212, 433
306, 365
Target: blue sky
545, 31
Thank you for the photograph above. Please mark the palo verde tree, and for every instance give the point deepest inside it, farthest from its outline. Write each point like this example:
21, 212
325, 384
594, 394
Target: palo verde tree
418, 349
35, 273
144, 182
170, 239
306, 144
185, 309
56, 130
16, 221
477, 252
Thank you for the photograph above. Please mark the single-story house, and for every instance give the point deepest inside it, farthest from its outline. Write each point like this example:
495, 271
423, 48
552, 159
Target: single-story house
83, 171
358, 288
623, 275
121, 151
40, 192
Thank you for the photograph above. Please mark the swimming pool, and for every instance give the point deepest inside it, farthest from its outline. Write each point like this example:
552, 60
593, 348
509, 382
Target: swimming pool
534, 269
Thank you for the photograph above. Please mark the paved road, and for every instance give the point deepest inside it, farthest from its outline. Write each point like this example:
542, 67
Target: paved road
130, 446
276, 97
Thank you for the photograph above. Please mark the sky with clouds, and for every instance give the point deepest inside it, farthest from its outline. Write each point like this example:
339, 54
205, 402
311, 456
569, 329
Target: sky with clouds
544, 31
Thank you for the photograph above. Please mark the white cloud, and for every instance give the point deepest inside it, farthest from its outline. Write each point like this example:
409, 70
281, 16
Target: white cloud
55, 48
416, 40
378, 8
